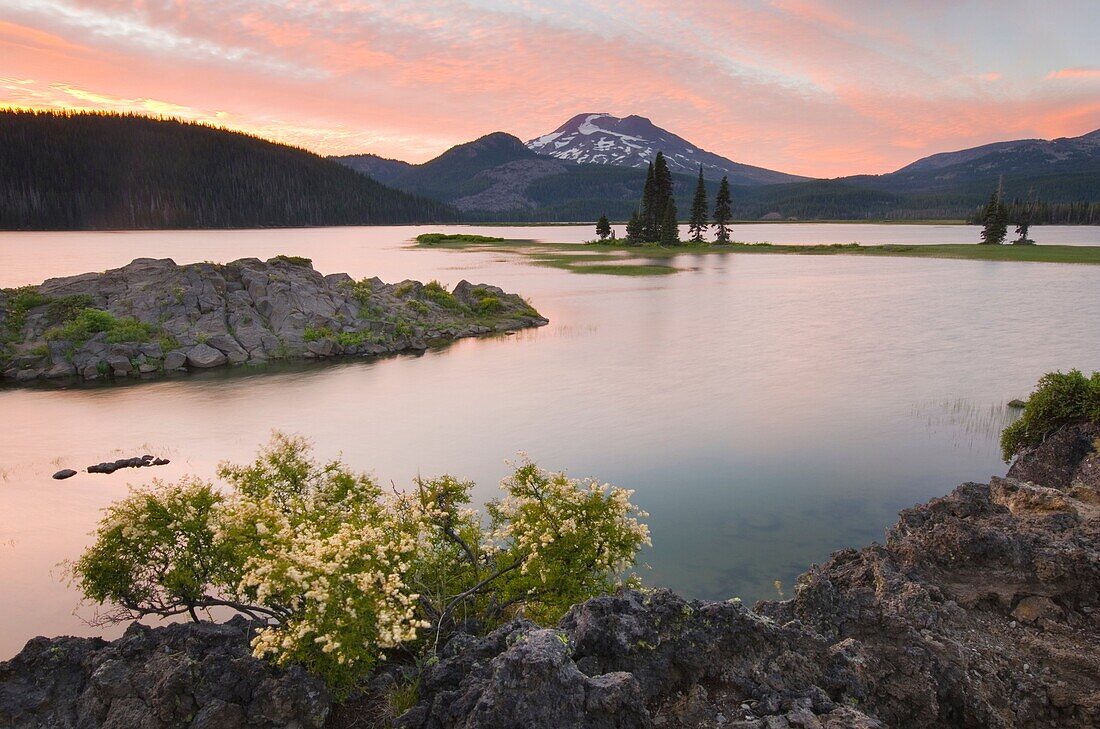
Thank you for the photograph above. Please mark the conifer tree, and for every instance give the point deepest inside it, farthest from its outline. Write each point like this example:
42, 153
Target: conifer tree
635, 229
603, 227
650, 210
662, 185
995, 219
670, 233
1023, 219
722, 212
697, 224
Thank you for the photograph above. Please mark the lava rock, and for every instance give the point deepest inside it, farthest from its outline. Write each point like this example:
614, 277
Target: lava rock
136, 462
190, 674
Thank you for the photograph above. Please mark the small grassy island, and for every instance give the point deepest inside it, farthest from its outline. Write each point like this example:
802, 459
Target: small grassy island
620, 258
153, 317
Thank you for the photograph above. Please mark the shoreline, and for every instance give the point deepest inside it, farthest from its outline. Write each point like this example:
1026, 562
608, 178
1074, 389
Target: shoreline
978, 609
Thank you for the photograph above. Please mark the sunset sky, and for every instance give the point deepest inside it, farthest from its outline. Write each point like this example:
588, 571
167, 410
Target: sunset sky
814, 87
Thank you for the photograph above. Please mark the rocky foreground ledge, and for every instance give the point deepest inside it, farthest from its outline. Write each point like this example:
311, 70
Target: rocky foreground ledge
154, 316
982, 609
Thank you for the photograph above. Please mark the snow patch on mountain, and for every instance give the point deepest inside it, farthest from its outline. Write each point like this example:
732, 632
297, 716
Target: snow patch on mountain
634, 141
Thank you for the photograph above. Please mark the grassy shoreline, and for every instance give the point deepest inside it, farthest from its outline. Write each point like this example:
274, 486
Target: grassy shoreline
619, 259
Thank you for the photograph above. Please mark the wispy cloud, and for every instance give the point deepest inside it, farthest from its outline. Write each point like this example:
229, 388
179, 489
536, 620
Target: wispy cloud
1077, 72
821, 87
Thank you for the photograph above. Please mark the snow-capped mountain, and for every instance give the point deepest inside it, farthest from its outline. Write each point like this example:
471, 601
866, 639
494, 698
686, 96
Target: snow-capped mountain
634, 141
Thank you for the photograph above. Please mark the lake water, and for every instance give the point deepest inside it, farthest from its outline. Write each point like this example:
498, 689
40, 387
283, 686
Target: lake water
766, 409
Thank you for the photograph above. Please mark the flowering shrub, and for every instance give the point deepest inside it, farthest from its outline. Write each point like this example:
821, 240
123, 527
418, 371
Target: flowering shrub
340, 573
155, 552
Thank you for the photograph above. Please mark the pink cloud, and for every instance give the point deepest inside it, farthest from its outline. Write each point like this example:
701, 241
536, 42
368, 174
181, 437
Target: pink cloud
1077, 72
817, 87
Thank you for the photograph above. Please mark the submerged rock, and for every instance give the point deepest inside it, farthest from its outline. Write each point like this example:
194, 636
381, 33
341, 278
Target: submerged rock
109, 467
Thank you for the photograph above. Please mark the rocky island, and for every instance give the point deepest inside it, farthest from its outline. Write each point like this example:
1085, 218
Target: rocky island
980, 609
153, 317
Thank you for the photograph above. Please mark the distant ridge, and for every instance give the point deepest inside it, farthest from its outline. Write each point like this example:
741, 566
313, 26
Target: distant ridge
109, 171
634, 141
491, 173
1065, 169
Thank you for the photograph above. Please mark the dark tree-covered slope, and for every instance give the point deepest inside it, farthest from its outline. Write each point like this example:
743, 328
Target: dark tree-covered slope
91, 171
382, 169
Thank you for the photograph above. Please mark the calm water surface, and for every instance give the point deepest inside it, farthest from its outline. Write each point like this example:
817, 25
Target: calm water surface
767, 409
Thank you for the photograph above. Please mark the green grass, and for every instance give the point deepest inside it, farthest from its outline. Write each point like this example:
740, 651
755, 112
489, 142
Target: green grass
315, 334
437, 293
294, 260
360, 290
435, 239
619, 259
89, 322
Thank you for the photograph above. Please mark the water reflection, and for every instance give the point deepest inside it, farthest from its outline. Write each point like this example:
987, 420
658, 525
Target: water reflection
767, 410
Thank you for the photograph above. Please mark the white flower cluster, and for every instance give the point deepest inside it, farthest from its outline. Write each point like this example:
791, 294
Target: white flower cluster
335, 567
545, 513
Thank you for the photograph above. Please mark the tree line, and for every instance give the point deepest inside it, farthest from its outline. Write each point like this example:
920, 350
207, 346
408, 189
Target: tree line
99, 170
1042, 212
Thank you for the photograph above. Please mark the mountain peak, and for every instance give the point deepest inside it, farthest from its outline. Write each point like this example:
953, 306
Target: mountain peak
494, 142
633, 141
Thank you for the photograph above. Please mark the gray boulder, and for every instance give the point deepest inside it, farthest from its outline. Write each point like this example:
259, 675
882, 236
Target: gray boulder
175, 360
62, 369
119, 364
230, 347
203, 356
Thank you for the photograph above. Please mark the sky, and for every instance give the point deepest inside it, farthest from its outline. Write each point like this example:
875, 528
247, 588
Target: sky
815, 87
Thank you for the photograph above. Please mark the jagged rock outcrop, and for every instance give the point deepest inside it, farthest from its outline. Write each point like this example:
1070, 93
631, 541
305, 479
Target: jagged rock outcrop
154, 316
197, 675
642, 660
981, 609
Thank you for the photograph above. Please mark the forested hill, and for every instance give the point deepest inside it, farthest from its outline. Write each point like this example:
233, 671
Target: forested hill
93, 171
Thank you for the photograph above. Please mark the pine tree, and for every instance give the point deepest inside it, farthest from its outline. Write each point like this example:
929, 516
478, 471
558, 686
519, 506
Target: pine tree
697, 224
1023, 219
670, 232
650, 211
603, 227
635, 229
662, 185
722, 212
995, 220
